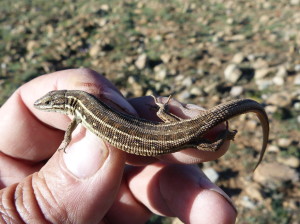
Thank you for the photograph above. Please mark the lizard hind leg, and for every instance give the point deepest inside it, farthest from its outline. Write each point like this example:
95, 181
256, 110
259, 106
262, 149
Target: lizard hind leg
163, 111
214, 145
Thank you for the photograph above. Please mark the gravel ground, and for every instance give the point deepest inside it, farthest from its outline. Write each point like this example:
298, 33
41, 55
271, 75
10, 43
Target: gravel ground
200, 52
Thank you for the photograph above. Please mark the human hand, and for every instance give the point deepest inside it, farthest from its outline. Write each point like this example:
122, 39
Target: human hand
91, 183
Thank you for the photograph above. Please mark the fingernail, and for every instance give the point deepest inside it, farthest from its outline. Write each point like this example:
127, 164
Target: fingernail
85, 157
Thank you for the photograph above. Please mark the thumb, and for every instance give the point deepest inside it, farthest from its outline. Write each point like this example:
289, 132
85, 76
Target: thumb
78, 186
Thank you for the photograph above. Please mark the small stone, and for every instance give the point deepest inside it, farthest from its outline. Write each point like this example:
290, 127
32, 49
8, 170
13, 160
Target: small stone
184, 95
275, 173
247, 203
284, 142
31, 45
94, 50
165, 58
211, 174
295, 2
253, 191
237, 37
297, 68
230, 21
282, 72
281, 99
141, 61
298, 119
264, 19
297, 80
263, 84
160, 72
251, 124
297, 105
196, 91
232, 73
271, 109
179, 78
260, 63
238, 58
236, 90
273, 148
136, 87
187, 82
251, 57
279, 81
290, 161
261, 73
105, 7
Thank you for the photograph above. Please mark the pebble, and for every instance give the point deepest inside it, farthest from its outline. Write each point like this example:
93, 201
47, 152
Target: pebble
238, 58
297, 106
141, 61
292, 161
261, 73
253, 191
281, 99
232, 73
94, 50
236, 90
187, 82
263, 84
251, 124
282, 72
184, 95
273, 148
211, 174
165, 58
271, 109
275, 173
297, 80
278, 80
297, 68
247, 203
260, 63
160, 72
196, 91
136, 87
295, 2
284, 142
263, 19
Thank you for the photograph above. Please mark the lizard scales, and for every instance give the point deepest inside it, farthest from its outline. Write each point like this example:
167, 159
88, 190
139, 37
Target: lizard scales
143, 137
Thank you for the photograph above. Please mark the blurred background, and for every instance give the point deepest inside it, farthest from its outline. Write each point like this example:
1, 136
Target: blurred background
201, 52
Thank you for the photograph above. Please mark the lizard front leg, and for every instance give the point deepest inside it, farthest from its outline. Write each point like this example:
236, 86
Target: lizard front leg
68, 134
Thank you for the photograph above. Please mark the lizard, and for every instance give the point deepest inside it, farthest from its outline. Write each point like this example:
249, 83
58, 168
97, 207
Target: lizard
149, 138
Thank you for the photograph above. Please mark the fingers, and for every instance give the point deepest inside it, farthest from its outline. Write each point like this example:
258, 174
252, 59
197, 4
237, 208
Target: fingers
25, 130
74, 187
182, 191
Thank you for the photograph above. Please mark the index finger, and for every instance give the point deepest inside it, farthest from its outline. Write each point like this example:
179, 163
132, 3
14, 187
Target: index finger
33, 135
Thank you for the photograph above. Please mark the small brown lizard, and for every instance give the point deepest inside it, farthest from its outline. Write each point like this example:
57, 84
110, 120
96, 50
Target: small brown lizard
149, 138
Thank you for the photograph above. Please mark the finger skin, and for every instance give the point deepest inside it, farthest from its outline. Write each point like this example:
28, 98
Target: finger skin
181, 191
23, 140
55, 194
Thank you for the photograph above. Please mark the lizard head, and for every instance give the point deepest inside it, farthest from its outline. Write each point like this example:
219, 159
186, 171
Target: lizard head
52, 101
